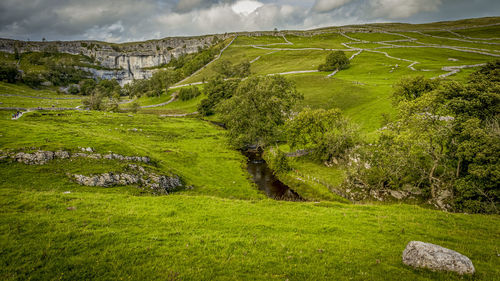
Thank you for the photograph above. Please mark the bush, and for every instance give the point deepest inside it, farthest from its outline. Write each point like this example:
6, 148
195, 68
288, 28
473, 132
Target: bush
73, 90
216, 90
277, 161
189, 93
8, 73
134, 107
335, 61
32, 79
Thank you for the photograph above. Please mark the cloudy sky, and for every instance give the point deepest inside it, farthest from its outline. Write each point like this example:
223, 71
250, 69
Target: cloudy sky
132, 20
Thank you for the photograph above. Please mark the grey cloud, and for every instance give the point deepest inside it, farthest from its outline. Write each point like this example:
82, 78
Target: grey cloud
324, 6
131, 20
184, 6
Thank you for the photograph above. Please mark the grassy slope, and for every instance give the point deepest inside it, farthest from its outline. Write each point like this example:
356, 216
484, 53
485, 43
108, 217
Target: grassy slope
113, 234
26, 102
193, 149
123, 233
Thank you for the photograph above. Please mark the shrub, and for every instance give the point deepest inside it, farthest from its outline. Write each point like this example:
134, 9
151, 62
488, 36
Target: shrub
335, 61
189, 93
277, 161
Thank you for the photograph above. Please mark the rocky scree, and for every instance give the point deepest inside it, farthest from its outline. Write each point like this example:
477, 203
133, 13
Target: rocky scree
135, 175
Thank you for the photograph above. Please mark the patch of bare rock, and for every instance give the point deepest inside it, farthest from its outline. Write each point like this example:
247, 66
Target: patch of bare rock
42, 157
135, 175
426, 255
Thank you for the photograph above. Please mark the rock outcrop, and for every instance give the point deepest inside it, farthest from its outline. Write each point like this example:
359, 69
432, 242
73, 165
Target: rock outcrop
124, 62
136, 175
434, 257
42, 157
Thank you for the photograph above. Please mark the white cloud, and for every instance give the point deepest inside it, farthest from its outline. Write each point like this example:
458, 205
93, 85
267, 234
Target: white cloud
246, 7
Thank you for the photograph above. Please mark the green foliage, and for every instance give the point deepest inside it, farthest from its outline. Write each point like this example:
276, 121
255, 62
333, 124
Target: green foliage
216, 90
107, 87
87, 86
153, 87
277, 161
447, 139
8, 72
326, 132
226, 69
335, 61
410, 88
73, 90
134, 107
258, 109
94, 101
189, 93
32, 79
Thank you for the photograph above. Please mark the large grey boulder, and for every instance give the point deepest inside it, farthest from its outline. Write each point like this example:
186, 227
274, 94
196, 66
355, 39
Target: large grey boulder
434, 257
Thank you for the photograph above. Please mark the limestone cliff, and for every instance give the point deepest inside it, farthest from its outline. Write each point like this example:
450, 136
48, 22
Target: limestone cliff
124, 62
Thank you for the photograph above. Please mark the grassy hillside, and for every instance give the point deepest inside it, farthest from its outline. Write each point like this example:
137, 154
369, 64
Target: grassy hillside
220, 226
206, 232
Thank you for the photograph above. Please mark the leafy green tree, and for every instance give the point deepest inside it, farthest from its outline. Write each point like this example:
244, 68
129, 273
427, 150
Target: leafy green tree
134, 107
216, 90
8, 73
108, 87
73, 90
410, 88
326, 132
446, 139
335, 61
258, 109
226, 69
277, 161
87, 86
94, 101
189, 93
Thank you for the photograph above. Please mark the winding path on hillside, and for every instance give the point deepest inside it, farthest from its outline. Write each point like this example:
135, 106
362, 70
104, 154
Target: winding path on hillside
174, 97
203, 67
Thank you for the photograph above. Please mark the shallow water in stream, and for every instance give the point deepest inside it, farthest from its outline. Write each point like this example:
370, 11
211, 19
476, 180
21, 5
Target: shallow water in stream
264, 178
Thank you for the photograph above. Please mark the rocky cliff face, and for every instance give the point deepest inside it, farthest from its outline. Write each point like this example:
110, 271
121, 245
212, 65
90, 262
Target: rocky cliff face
124, 62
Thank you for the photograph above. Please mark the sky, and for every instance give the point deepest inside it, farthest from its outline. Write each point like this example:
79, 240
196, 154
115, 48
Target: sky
134, 20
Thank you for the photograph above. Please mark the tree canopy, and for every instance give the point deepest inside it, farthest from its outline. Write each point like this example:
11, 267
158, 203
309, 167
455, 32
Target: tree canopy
335, 61
258, 109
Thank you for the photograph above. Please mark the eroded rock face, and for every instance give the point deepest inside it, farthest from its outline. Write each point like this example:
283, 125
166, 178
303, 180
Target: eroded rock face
42, 157
434, 257
158, 184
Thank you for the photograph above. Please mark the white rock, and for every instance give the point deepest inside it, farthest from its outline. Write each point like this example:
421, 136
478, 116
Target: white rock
434, 257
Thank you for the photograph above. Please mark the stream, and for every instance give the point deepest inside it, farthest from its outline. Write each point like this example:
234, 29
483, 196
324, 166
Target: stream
265, 180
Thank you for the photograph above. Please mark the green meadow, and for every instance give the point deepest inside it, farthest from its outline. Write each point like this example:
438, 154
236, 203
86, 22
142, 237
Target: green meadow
220, 226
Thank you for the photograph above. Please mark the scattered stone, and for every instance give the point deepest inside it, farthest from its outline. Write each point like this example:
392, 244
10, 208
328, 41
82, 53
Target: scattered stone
434, 257
66, 192
41, 157
159, 184
61, 154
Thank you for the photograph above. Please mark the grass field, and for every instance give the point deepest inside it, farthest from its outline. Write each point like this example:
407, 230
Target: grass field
220, 226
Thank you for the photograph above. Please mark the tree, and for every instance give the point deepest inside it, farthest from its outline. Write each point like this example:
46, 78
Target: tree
189, 93
73, 89
216, 90
410, 88
226, 69
87, 86
326, 132
258, 109
8, 73
446, 140
94, 101
335, 61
